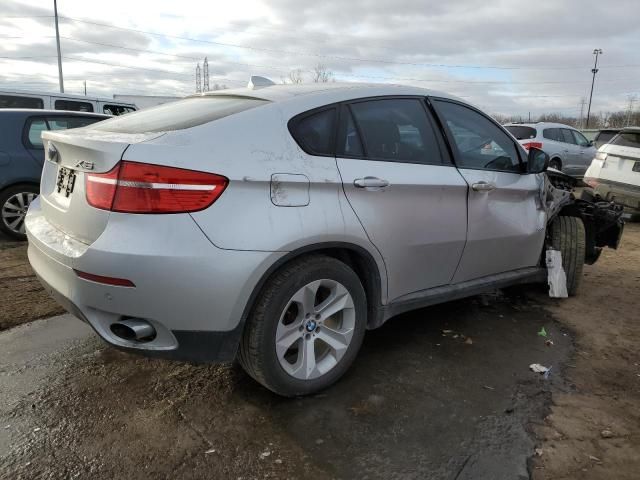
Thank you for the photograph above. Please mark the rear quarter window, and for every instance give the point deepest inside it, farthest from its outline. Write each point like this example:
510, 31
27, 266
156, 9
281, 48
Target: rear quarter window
315, 133
180, 114
522, 132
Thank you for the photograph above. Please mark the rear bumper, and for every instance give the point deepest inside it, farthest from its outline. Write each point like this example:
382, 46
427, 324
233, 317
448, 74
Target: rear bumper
620, 193
193, 293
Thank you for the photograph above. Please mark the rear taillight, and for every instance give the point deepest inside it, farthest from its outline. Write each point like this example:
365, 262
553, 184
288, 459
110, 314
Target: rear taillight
528, 145
132, 187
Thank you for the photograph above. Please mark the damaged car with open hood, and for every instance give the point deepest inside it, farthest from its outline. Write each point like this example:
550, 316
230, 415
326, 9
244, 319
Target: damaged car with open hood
275, 224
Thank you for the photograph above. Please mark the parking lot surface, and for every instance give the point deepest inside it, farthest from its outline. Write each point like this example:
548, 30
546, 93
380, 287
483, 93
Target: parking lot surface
444, 392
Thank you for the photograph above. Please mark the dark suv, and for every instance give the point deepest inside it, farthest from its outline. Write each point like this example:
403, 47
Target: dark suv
22, 156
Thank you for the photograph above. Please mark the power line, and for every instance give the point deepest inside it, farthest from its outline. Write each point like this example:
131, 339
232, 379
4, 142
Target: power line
336, 57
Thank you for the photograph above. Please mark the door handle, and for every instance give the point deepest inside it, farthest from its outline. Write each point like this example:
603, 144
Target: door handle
483, 186
369, 182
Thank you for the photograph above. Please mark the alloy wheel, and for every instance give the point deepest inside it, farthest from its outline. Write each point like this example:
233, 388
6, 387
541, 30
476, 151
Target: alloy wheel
315, 329
15, 209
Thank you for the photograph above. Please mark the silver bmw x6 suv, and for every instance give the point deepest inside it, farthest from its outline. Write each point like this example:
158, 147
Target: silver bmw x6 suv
275, 224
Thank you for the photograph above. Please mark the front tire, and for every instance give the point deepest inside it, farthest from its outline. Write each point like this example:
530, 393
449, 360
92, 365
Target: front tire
568, 236
14, 203
306, 328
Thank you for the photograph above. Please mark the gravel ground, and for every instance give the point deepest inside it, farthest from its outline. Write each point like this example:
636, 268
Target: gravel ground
442, 393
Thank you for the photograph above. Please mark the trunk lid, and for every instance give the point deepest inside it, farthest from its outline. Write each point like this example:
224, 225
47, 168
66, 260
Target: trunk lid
69, 155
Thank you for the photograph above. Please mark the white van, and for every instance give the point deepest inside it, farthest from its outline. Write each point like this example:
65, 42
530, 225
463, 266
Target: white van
63, 101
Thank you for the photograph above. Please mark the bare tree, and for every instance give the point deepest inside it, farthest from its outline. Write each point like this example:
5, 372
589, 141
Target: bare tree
295, 76
321, 74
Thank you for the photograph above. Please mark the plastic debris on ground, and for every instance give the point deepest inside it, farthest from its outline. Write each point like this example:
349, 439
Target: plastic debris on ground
556, 276
549, 343
537, 368
542, 332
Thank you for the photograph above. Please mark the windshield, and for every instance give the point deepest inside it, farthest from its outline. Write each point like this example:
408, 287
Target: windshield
179, 115
521, 132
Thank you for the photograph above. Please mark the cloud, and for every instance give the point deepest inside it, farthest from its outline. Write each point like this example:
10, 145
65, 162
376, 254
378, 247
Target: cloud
544, 50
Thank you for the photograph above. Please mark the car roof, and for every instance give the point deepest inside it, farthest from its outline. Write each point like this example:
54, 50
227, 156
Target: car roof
276, 93
40, 111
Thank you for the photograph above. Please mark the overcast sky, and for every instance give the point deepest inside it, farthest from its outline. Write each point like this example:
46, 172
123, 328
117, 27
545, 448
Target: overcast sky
509, 57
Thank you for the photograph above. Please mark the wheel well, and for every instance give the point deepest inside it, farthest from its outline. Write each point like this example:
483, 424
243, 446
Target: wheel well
17, 184
361, 261
559, 160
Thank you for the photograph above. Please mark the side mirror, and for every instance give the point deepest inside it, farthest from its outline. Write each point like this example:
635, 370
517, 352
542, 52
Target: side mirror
591, 143
537, 160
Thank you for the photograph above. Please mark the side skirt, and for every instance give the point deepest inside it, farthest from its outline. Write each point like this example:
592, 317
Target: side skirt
447, 293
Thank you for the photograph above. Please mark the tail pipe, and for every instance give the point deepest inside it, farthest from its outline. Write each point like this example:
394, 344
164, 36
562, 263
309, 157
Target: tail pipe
134, 330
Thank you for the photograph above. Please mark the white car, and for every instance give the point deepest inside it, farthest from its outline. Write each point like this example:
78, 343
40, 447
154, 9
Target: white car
614, 173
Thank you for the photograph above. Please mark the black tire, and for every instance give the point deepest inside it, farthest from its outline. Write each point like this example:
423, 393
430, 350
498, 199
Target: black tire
555, 163
257, 348
5, 196
567, 236
635, 217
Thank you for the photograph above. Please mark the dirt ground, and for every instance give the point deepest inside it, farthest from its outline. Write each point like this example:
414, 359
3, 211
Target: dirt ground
593, 430
441, 393
22, 299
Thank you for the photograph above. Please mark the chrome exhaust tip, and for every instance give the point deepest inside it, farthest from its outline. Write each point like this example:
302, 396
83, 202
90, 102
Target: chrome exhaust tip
134, 330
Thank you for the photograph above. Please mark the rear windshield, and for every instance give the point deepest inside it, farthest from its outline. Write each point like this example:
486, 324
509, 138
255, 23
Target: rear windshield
179, 115
627, 139
604, 137
521, 132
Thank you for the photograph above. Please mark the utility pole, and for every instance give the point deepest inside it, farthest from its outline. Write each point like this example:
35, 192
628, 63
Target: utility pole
594, 70
85, 88
198, 80
55, 14
583, 102
205, 75
632, 99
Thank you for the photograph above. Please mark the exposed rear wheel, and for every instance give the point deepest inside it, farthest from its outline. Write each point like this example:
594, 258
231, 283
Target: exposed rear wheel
567, 236
14, 203
306, 328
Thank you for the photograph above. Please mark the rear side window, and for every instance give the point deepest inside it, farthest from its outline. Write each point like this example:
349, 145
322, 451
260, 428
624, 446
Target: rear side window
553, 134
396, 130
522, 132
315, 133
181, 114
117, 109
73, 106
15, 101
627, 139
34, 132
